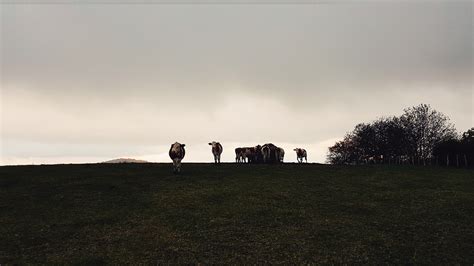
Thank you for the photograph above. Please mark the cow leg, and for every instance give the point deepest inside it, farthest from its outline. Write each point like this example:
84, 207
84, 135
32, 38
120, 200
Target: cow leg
219, 158
174, 166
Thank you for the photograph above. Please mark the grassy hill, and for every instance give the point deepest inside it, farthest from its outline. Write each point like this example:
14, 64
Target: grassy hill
142, 213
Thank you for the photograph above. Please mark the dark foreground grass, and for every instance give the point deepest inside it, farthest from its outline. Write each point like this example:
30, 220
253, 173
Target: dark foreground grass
142, 213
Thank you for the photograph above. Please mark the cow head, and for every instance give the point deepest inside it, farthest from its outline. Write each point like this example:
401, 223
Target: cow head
214, 144
177, 144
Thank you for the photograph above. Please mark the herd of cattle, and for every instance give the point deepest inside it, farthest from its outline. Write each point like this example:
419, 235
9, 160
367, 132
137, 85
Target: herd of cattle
267, 153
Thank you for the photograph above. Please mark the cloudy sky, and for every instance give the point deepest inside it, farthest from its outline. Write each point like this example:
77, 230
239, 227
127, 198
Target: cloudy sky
97, 81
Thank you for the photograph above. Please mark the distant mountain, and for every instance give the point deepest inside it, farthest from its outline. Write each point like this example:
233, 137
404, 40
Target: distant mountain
125, 160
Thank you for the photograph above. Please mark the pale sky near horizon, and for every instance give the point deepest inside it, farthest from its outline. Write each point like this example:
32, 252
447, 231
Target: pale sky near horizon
94, 82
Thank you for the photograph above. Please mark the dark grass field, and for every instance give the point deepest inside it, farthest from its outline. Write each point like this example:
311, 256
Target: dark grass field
142, 213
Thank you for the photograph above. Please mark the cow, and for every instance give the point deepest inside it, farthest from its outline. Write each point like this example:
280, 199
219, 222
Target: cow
239, 155
271, 153
258, 156
177, 154
216, 151
281, 154
266, 153
248, 154
251, 154
300, 154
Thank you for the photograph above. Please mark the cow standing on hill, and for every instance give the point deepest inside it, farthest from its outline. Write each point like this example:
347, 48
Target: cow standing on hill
258, 156
266, 153
177, 153
281, 154
248, 154
271, 153
300, 154
239, 155
216, 151
251, 154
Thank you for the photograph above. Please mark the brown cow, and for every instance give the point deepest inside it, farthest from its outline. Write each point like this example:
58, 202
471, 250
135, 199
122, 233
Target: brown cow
216, 151
239, 155
248, 154
281, 154
271, 153
300, 154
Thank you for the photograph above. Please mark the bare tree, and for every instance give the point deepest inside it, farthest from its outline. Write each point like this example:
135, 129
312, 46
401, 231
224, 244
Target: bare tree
425, 128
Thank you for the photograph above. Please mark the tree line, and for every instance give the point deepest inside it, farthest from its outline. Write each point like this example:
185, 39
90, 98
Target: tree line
421, 135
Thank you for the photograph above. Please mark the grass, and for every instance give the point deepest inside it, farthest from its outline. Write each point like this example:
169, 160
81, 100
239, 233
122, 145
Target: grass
142, 213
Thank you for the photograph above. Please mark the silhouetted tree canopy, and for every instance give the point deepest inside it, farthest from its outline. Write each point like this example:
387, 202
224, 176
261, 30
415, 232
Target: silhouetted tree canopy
457, 152
421, 135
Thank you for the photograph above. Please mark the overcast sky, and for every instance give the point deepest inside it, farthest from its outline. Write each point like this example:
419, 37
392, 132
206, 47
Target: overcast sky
93, 82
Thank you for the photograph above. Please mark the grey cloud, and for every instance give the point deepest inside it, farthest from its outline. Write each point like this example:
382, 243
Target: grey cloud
149, 74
